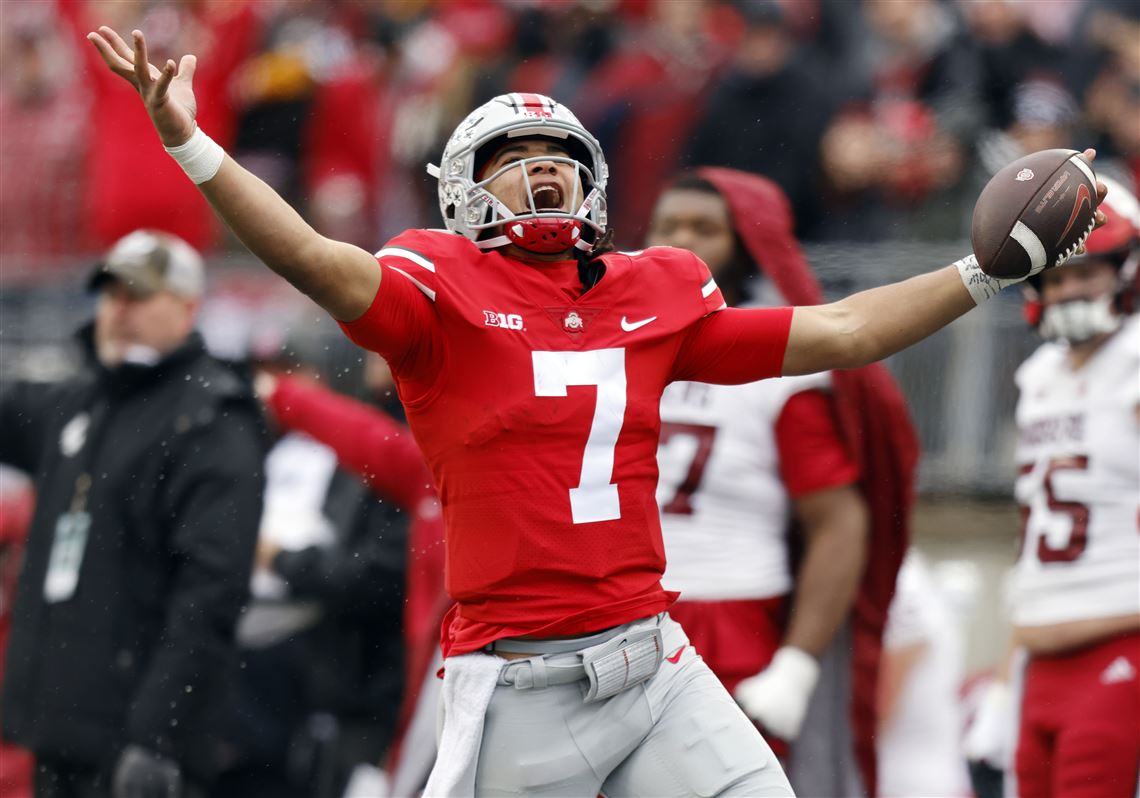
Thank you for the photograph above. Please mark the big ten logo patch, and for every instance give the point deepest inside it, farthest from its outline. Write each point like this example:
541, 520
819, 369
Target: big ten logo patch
507, 321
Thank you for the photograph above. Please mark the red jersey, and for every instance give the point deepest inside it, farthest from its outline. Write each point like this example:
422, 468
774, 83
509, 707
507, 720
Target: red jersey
536, 407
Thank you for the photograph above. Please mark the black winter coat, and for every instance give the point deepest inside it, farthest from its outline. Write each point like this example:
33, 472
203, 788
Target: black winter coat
137, 652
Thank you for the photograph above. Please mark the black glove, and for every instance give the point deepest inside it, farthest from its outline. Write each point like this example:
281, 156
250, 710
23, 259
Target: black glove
144, 774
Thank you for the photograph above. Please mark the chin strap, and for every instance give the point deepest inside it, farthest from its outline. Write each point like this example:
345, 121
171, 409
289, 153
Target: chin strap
545, 236
541, 234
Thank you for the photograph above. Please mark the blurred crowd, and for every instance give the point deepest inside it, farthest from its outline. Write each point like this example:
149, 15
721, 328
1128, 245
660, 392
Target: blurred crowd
880, 119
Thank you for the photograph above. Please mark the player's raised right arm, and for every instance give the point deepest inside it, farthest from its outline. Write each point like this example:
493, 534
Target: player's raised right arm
341, 278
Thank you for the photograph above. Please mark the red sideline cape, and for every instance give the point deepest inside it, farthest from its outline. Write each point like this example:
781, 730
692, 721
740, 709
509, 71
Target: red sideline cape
875, 424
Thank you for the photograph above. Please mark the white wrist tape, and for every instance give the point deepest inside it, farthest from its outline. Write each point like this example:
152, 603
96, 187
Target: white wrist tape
200, 157
981, 285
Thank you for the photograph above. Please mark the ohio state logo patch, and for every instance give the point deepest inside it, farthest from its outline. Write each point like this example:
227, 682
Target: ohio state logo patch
573, 321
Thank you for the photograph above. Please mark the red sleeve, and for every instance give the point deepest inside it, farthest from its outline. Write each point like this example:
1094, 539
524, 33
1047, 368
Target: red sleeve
812, 454
402, 327
365, 440
735, 346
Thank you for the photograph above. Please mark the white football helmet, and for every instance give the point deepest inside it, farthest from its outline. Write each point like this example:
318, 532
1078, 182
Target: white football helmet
469, 208
1118, 242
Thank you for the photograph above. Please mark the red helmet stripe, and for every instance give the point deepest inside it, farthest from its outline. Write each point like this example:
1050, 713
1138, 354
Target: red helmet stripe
535, 104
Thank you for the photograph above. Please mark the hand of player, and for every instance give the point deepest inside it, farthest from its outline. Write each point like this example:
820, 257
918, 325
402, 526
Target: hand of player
777, 697
168, 93
990, 734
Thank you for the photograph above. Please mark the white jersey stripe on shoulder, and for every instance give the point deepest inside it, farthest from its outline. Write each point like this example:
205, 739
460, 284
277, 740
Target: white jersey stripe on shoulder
708, 288
1079, 162
407, 254
430, 294
1032, 246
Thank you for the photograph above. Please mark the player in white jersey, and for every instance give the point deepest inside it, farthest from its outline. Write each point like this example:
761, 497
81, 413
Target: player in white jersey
740, 466
920, 719
1075, 592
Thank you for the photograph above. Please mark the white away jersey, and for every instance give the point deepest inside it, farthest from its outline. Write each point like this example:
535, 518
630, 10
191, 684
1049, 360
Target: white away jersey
1078, 456
919, 748
724, 508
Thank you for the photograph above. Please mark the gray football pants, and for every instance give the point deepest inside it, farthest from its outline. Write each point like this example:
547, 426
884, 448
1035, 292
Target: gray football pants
677, 734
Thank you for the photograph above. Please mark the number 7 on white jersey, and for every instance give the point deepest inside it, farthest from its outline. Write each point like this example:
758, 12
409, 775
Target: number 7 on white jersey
596, 497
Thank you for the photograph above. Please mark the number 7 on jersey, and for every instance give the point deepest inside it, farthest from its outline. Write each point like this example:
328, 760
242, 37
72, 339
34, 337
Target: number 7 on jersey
596, 497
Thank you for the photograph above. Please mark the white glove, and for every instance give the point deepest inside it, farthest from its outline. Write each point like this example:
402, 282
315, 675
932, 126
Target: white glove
777, 697
990, 736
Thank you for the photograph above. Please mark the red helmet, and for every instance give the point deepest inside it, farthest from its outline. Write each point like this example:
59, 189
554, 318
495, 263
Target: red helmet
1117, 241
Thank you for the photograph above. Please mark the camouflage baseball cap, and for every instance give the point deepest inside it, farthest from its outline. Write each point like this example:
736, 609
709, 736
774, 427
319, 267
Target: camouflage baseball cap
147, 261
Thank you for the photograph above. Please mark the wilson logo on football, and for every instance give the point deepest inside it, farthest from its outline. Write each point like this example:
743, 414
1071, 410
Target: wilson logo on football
508, 321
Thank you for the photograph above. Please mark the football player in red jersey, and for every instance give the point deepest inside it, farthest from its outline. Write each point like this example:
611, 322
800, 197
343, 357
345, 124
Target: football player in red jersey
1074, 590
532, 376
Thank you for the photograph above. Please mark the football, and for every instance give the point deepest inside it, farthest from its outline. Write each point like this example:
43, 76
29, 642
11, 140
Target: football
1034, 213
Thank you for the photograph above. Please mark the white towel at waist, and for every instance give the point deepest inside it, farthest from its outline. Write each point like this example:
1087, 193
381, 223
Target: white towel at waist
468, 683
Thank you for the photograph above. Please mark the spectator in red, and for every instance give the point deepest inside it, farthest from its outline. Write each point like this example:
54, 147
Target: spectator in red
759, 119
1010, 52
131, 182
384, 454
556, 47
375, 120
644, 100
16, 502
43, 112
894, 160
1106, 64
345, 154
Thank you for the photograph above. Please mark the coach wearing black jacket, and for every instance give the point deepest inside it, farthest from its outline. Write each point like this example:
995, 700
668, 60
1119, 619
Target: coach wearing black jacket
148, 473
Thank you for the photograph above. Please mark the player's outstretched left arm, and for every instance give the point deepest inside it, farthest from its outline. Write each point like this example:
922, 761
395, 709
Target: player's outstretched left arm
341, 278
874, 324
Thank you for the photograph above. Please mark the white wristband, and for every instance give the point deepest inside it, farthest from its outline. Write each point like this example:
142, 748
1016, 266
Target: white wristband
981, 285
200, 157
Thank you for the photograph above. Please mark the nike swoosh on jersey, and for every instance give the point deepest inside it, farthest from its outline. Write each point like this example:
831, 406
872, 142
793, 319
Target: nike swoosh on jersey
630, 326
676, 655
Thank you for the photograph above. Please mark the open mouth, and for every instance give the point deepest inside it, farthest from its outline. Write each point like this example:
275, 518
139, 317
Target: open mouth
548, 198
